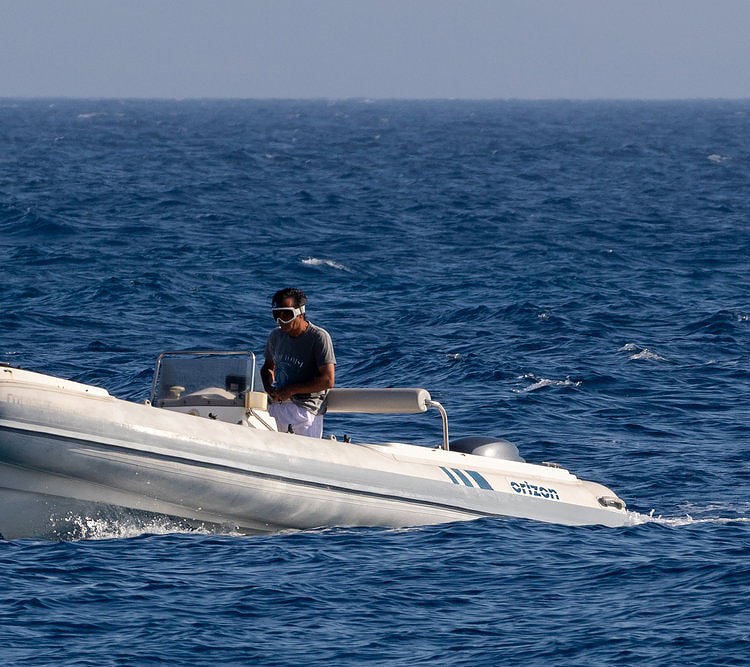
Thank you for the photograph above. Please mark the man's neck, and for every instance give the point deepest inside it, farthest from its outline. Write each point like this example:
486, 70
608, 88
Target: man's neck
297, 332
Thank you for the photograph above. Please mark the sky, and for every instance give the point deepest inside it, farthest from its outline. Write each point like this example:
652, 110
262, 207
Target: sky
409, 49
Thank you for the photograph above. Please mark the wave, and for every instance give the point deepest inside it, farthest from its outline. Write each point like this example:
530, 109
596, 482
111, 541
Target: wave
719, 324
330, 263
640, 353
120, 523
710, 514
542, 383
126, 526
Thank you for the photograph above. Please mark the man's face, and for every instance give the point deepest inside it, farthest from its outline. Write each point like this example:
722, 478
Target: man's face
287, 316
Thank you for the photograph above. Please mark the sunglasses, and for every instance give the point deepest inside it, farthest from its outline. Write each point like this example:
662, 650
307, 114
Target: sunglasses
285, 315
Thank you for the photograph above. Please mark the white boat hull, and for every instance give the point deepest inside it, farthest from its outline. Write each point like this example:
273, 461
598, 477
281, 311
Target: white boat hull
68, 451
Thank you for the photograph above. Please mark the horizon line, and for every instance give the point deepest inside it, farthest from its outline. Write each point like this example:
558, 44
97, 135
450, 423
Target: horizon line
358, 98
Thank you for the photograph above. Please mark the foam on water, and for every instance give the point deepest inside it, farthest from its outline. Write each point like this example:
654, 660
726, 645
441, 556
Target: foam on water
127, 526
542, 383
315, 261
640, 352
636, 519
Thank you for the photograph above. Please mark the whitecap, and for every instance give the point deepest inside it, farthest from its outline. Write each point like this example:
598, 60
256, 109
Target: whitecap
541, 383
315, 261
640, 353
645, 353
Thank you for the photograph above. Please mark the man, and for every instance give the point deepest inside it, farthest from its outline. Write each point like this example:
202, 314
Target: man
299, 366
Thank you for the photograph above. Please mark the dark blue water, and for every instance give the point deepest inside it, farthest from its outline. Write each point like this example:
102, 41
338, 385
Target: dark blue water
571, 276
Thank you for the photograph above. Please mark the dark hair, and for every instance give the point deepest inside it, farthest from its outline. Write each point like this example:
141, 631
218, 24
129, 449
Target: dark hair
300, 298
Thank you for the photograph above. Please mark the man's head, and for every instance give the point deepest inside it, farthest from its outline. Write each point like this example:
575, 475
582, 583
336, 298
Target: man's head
287, 305
299, 298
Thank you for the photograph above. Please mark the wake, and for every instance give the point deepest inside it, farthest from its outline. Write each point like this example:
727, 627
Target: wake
638, 519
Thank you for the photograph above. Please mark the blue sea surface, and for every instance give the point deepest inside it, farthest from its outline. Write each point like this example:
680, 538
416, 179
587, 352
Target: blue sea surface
571, 276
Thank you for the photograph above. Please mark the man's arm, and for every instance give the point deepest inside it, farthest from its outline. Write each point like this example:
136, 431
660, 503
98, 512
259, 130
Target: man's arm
325, 379
267, 375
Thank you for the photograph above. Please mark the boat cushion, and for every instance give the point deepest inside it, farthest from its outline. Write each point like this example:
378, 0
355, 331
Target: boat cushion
377, 401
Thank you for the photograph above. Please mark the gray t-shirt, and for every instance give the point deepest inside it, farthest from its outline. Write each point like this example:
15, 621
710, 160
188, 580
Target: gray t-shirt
297, 360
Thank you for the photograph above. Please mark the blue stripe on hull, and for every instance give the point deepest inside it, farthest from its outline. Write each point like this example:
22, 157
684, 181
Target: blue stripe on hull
462, 477
483, 483
450, 474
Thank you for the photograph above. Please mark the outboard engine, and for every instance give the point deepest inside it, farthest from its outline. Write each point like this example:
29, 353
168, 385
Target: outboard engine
482, 445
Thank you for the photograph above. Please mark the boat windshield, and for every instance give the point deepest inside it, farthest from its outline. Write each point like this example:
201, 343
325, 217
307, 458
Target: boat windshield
227, 374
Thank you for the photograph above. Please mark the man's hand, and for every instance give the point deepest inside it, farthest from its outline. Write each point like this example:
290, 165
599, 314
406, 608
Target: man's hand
284, 394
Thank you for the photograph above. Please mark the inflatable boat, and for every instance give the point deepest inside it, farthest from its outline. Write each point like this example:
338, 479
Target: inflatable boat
203, 452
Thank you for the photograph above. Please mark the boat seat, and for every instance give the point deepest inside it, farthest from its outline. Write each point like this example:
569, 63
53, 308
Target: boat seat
212, 393
377, 401
206, 396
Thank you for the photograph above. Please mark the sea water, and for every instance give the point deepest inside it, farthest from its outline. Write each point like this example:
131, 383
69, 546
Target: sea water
571, 276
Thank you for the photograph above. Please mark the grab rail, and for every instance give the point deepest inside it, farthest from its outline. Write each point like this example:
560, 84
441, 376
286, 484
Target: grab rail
383, 401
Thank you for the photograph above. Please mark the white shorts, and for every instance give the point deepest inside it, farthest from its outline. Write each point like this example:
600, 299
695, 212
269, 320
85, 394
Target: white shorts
302, 422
